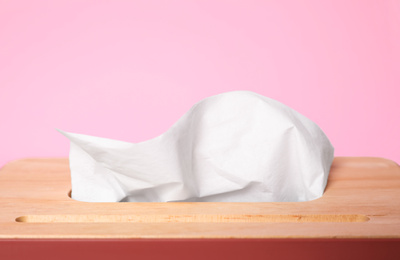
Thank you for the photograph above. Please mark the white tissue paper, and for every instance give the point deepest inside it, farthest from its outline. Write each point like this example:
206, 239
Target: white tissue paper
233, 147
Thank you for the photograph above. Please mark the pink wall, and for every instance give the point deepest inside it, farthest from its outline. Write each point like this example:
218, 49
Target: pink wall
129, 69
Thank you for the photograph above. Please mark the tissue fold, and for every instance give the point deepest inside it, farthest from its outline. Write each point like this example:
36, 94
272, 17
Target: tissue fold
233, 147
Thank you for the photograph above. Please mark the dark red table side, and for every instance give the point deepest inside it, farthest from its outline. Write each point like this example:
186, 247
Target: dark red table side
194, 249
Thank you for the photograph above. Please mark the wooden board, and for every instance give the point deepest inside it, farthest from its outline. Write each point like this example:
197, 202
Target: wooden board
362, 200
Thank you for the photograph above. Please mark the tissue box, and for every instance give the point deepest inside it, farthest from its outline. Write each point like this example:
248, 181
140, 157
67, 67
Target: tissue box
358, 216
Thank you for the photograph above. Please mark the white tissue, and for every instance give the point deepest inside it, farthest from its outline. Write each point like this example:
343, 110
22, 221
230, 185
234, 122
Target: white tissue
234, 147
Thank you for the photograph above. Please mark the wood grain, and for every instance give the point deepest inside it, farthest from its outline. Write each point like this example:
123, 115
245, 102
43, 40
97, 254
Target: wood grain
361, 201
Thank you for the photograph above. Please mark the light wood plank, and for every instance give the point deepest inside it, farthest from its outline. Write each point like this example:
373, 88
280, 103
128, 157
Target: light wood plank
362, 200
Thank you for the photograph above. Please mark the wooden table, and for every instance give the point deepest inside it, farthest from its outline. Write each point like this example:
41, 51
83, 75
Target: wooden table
357, 217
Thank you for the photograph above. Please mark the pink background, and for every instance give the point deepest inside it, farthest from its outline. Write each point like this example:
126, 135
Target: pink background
128, 70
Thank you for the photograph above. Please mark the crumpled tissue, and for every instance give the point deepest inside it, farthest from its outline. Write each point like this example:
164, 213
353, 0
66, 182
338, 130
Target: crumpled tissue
233, 147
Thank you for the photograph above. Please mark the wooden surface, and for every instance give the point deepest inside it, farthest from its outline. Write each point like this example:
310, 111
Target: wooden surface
362, 200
